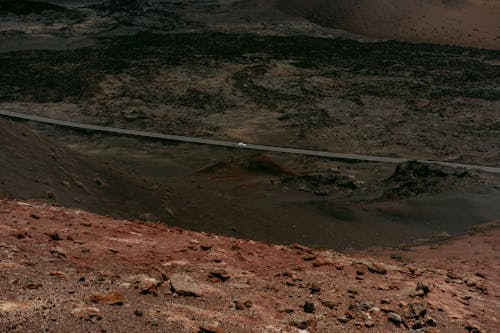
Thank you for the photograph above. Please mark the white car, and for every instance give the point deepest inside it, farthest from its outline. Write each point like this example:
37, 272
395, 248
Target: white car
241, 144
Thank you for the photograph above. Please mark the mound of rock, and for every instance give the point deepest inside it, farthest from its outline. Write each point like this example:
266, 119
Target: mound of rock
259, 164
414, 178
322, 183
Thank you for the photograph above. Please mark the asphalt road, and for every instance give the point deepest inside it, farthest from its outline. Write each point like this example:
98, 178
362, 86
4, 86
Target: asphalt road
240, 145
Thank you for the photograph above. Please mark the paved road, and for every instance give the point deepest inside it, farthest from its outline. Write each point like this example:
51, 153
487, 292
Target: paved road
352, 157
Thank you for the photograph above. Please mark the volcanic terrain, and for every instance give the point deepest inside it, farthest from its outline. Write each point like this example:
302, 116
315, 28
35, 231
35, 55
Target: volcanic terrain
110, 233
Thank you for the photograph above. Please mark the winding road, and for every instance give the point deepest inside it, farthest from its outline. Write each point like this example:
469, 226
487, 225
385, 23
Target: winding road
240, 145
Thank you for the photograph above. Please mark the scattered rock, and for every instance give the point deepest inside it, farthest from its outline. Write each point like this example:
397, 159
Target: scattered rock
417, 310
300, 324
346, 317
55, 236
329, 304
431, 322
395, 318
220, 274
34, 216
376, 268
422, 287
148, 285
309, 307
184, 285
111, 298
33, 286
473, 328
86, 312
58, 252
453, 275
205, 247
315, 288
138, 313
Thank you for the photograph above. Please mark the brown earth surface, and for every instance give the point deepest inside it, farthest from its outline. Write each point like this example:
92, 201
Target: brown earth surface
68, 270
469, 23
259, 72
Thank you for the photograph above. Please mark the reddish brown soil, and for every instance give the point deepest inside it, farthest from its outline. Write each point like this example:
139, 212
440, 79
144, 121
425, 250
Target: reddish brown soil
67, 270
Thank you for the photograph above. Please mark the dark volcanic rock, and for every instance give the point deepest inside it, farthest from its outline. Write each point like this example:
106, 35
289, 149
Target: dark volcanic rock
414, 178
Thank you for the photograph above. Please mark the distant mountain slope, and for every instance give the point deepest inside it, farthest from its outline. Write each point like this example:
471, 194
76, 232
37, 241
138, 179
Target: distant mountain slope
471, 23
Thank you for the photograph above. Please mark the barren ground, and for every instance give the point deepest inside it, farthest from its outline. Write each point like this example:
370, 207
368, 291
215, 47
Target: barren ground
64, 269
257, 72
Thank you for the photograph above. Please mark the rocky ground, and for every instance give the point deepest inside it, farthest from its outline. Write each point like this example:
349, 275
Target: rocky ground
259, 72
65, 269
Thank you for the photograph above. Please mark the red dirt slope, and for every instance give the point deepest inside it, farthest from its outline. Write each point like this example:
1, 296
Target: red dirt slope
67, 270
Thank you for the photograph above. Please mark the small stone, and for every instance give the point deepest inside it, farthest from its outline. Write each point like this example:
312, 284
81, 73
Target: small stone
148, 285
20, 236
315, 288
220, 274
309, 307
395, 318
239, 305
86, 312
320, 263
386, 309
376, 268
33, 286
329, 304
184, 285
473, 328
300, 324
138, 313
55, 236
111, 298
205, 247
59, 274
431, 322
34, 216
453, 275
417, 310
58, 252
423, 287
369, 323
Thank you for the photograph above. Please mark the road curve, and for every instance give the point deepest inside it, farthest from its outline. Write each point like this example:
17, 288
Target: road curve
287, 150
